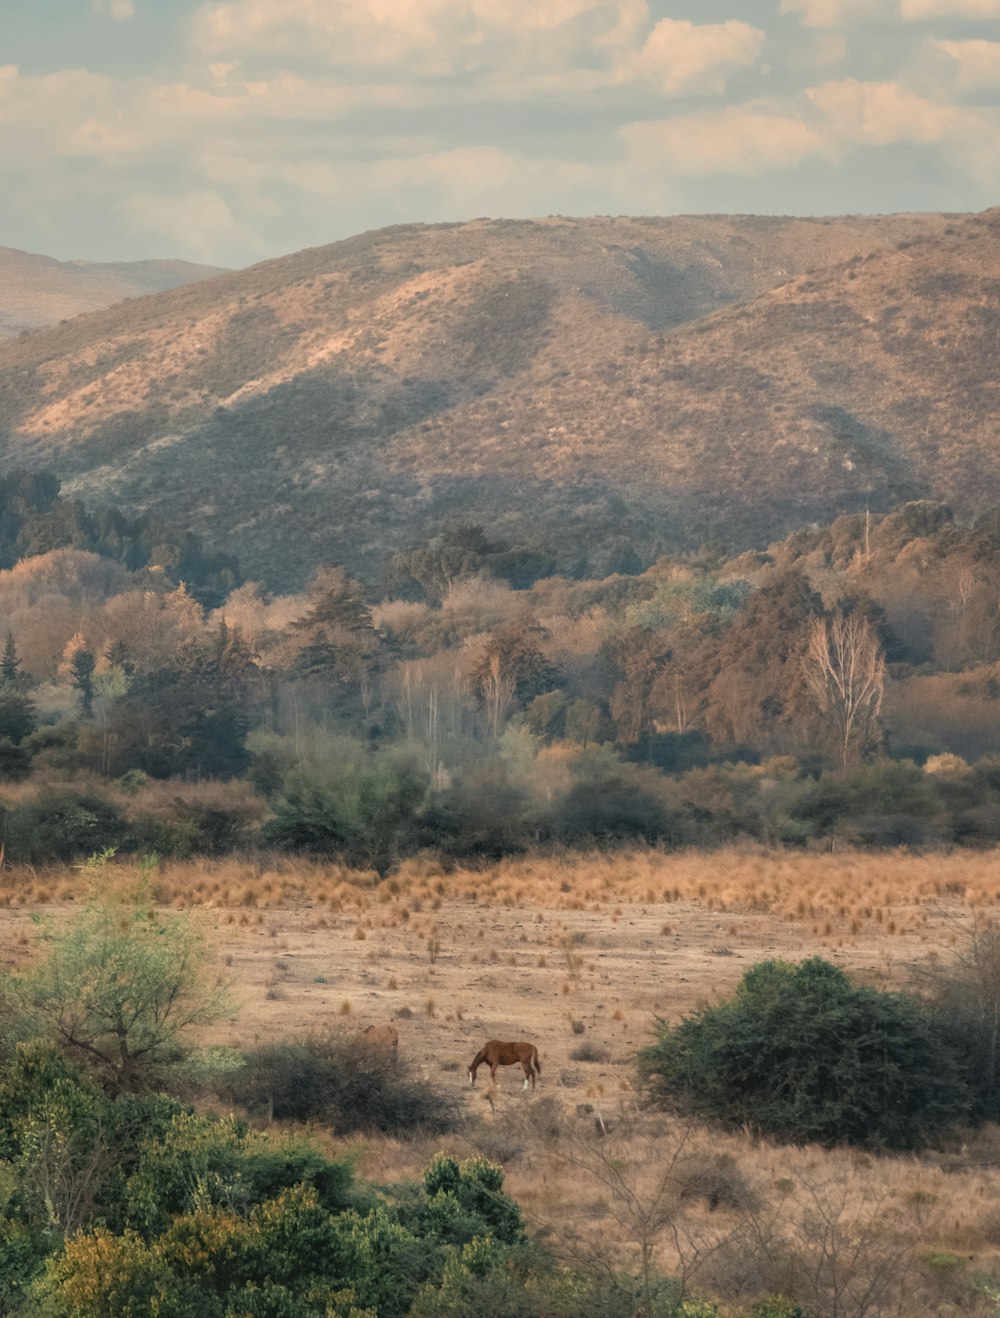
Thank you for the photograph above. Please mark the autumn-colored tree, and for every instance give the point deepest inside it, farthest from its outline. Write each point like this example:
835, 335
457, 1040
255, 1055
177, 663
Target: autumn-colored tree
513, 668
758, 691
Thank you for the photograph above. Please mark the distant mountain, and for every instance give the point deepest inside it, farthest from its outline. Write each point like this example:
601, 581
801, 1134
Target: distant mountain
37, 291
666, 380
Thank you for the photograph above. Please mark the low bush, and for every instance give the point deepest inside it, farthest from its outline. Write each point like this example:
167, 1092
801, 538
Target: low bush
339, 1079
62, 826
803, 1054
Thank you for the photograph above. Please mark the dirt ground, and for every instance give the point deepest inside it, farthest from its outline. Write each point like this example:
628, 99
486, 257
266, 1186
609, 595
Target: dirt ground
587, 982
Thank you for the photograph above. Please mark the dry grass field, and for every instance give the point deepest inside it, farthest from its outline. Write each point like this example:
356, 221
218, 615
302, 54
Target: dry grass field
580, 954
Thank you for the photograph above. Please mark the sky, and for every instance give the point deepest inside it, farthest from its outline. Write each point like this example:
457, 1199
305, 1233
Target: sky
231, 131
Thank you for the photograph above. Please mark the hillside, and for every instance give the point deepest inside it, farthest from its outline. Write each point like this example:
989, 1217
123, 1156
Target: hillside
671, 380
37, 291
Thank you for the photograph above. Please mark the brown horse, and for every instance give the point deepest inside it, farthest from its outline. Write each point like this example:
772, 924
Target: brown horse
381, 1036
494, 1053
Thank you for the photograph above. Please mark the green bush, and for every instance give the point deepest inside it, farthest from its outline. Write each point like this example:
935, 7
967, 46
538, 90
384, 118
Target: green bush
62, 826
466, 1199
801, 1053
361, 809
121, 988
197, 1161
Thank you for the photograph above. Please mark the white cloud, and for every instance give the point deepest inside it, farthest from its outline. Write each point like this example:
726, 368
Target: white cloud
200, 222
680, 58
978, 64
737, 140
497, 40
916, 10
839, 13
886, 114
434, 36
842, 13
883, 113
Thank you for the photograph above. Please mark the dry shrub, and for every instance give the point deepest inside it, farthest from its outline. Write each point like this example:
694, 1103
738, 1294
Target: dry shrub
589, 1052
341, 1080
716, 1178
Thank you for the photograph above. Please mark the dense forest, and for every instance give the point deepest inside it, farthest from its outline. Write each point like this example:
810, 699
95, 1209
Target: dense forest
840, 687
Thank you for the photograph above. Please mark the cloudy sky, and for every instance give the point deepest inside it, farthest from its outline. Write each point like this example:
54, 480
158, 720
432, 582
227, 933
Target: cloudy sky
228, 131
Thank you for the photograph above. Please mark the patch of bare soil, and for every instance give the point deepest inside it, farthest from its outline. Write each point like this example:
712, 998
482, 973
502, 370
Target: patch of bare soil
585, 986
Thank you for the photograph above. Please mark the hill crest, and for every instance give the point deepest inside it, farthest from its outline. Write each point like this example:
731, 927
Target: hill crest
670, 380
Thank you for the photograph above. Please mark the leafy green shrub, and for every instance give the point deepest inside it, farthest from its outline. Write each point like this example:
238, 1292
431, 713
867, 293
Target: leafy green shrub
121, 988
360, 809
466, 1199
340, 1079
481, 816
287, 1258
962, 995
192, 827
62, 826
197, 1161
775, 1306
611, 801
803, 1054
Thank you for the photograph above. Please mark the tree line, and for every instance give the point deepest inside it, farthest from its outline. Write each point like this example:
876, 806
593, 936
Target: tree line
842, 684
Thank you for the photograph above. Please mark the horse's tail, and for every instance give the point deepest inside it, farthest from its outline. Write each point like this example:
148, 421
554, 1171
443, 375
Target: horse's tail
536, 1059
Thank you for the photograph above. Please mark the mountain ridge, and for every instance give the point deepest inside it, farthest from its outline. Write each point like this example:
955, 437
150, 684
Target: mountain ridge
668, 380
38, 291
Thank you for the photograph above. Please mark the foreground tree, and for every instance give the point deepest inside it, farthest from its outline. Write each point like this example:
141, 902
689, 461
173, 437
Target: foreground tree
122, 989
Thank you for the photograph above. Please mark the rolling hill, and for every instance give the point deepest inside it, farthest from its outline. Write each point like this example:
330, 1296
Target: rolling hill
669, 380
37, 291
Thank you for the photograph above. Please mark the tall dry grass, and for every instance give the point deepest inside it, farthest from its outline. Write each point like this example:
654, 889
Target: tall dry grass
849, 889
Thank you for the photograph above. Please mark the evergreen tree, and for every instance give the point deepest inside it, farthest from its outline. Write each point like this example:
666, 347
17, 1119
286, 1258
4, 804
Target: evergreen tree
77, 667
10, 665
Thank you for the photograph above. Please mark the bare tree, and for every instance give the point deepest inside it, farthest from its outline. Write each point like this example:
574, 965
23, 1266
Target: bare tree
498, 687
845, 671
647, 1187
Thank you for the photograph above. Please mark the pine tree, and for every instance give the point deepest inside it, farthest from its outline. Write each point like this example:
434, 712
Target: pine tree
10, 665
77, 667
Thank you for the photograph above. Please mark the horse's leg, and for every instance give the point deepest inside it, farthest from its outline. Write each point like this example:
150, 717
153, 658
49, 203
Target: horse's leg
526, 1068
493, 1073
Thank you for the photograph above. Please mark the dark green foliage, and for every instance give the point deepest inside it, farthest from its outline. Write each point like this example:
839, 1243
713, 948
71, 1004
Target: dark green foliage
62, 826
35, 519
192, 825
341, 1080
962, 996
10, 665
611, 802
482, 815
466, 1199
459, 553
15, 762
82, 667
362, 809
18, 719
777, 1307
801, 1053
182, 721
17, 713
887, 803
199, 1161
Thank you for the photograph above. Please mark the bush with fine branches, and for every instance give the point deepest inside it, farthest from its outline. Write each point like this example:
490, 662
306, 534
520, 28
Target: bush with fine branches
802, 1053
